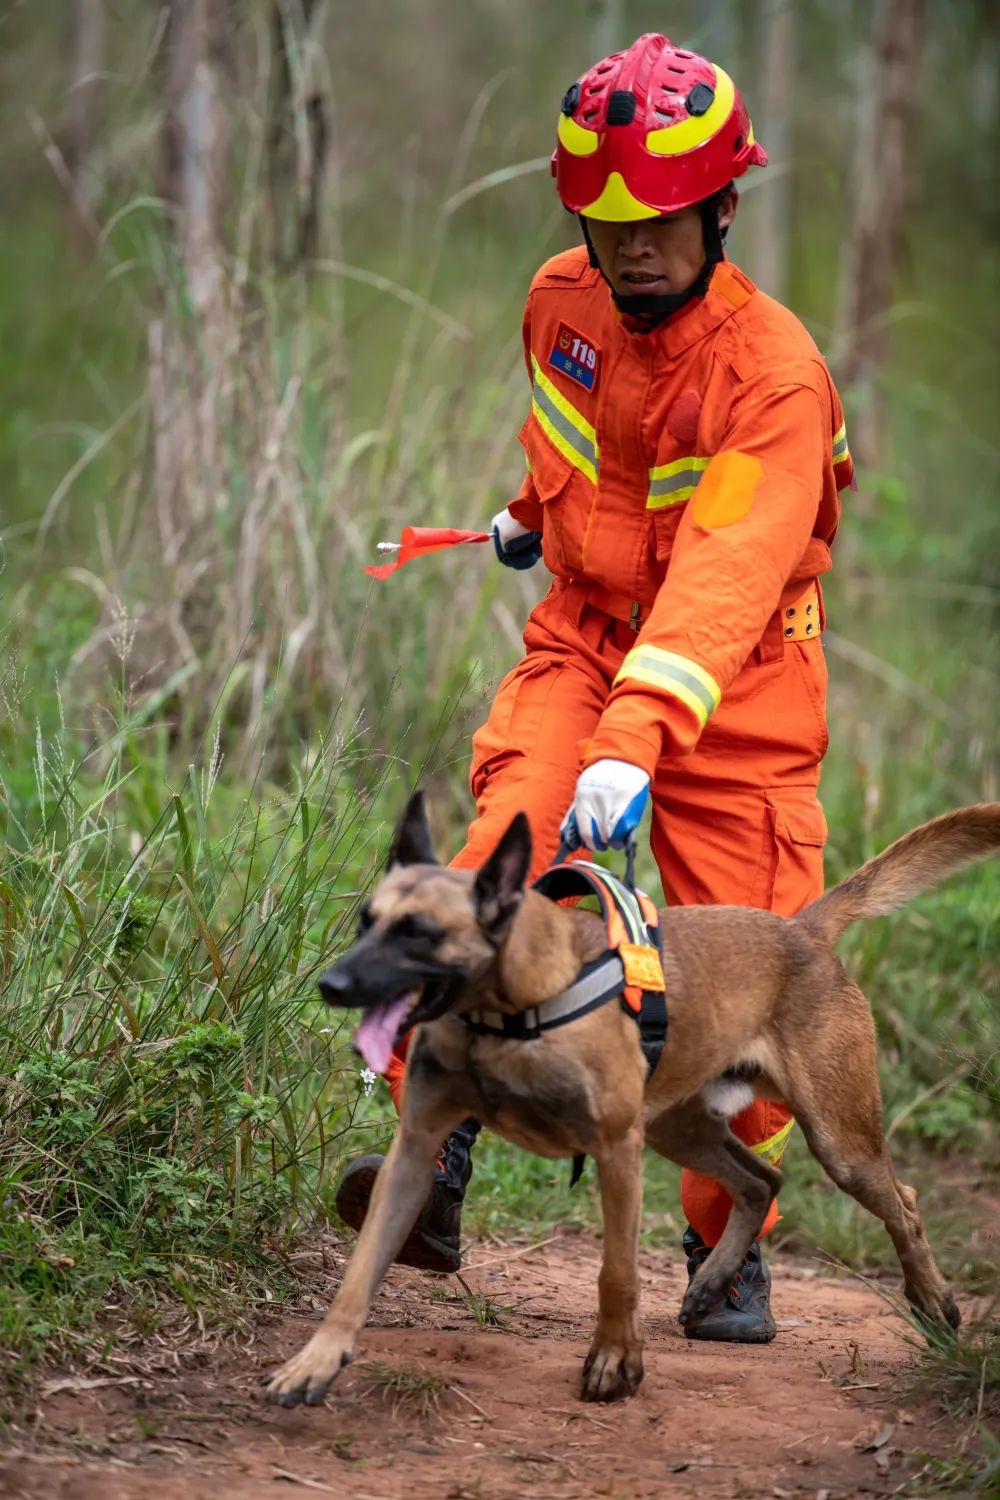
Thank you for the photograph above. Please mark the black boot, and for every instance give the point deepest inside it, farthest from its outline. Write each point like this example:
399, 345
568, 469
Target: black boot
745, 1315
433, 1242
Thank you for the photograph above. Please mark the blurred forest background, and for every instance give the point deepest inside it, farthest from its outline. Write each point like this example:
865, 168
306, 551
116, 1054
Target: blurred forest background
260, 293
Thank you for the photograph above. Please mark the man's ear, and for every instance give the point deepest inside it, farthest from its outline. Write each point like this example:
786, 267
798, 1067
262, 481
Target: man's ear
411, 843
499, 885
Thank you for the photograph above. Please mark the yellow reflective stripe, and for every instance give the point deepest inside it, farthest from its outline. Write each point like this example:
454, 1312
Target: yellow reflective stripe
674, 674
563, 425
671, 483
840, 448
774, 1147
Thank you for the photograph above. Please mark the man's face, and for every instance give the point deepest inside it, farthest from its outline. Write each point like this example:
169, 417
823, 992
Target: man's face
655, 256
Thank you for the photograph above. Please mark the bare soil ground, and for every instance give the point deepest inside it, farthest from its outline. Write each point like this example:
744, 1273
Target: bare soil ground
824, 1411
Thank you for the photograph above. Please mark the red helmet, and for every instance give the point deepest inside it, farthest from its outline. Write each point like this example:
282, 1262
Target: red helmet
650, 131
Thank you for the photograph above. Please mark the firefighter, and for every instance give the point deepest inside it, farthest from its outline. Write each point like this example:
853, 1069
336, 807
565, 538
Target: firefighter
685, 446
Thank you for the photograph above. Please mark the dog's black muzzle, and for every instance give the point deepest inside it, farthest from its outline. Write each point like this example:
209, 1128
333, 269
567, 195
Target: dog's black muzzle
368, 976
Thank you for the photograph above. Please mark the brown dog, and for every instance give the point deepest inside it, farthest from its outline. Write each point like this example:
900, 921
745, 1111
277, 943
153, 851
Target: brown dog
759, 1005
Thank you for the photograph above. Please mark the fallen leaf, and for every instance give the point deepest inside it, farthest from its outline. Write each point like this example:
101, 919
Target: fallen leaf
873, 1437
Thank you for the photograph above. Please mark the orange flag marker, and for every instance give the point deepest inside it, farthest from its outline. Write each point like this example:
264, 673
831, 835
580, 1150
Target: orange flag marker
418, 541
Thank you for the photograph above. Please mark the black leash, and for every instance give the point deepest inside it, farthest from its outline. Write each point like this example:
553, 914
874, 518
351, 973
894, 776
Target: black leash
660, 1023
631, 850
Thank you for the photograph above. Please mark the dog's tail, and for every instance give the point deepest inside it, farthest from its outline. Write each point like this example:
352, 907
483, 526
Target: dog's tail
908, 866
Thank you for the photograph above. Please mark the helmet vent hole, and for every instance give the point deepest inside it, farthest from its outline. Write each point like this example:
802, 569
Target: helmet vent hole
596, 88
738, 143
590, 114
672, 69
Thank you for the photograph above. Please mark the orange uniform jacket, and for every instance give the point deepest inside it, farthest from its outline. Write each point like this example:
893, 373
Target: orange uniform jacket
687, 477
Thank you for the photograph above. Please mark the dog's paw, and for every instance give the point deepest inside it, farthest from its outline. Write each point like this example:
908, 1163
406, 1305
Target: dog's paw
611, 1372
935, 1310
308, 1375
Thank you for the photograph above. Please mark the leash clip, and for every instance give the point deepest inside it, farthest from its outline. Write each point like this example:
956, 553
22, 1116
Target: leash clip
631, 850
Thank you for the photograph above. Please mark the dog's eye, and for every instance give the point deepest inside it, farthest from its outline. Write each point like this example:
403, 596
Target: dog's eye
414, 928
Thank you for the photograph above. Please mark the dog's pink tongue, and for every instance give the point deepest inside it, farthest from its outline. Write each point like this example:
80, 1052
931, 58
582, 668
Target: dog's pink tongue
377, 1032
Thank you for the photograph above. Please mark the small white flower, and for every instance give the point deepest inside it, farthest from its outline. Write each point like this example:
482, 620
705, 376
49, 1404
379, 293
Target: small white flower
367, 1080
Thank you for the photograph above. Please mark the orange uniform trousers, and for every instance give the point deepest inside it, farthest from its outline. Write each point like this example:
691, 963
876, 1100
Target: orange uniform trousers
735, 822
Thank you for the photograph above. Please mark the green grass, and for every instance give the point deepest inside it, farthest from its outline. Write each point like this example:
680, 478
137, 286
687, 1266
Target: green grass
209, 715
407, 1389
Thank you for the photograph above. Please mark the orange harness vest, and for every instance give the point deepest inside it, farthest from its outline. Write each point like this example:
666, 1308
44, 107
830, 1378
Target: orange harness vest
631, 968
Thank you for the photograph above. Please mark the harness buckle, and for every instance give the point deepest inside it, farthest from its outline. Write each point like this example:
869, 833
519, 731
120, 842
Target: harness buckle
523, 1026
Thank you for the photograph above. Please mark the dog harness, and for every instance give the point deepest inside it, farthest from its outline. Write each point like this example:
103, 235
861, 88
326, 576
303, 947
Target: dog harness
631, 968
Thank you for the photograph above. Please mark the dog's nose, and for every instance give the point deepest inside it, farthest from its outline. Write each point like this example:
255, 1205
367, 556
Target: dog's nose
335, 986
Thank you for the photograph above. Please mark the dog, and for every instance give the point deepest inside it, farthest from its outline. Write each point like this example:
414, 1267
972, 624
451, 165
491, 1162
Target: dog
759, 1006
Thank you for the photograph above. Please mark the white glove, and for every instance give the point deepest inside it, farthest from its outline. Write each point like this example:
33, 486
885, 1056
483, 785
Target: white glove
507, 529
516, 546
610, 800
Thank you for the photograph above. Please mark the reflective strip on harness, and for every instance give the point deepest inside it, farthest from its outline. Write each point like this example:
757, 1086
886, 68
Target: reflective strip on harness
625, 902
563, 425
774, 1147
671, 483
674, 674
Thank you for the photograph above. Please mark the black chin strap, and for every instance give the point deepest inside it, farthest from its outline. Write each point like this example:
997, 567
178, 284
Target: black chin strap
653, 309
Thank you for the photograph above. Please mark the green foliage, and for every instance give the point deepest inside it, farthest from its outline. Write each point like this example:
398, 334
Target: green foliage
208, 714
172, 1091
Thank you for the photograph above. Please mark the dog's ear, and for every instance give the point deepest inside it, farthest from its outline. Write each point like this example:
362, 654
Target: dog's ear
499, 885
411, 843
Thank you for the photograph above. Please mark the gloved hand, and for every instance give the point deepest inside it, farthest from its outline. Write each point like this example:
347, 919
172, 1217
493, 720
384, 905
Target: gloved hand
515, 545
609, 803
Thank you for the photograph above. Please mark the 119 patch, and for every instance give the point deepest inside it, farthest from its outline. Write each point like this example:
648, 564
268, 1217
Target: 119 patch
576, 357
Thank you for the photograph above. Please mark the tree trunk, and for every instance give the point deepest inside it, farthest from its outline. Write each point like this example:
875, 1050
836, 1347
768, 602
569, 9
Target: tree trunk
195, 372
300, 133
770, 205
883, 161
79, 132
196, 63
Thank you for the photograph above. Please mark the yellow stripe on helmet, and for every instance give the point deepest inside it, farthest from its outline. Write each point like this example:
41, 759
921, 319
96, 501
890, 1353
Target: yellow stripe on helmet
576, 138
616, 204
693, 131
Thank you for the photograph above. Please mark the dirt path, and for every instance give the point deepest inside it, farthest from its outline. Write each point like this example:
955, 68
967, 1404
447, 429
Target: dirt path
790, 1419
